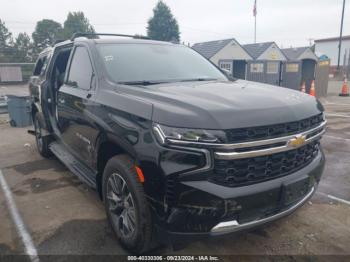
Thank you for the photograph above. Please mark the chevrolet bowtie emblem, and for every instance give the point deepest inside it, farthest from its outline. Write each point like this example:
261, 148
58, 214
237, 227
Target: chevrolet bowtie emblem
297, 141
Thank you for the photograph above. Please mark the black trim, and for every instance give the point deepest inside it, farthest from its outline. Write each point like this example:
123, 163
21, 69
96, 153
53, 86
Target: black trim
79, 34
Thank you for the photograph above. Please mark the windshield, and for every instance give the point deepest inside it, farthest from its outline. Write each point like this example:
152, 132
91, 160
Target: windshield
149, 63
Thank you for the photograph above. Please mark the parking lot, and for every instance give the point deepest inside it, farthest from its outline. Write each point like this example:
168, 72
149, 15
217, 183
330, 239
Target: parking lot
64, 217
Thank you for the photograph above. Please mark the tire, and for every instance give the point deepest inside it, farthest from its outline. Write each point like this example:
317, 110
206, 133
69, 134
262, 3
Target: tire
127, 210
42, 142
13, 123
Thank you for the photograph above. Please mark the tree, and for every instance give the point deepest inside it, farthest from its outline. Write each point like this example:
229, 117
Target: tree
6, 43
46, 32
163, 26
77, 22
23, 48
5, 35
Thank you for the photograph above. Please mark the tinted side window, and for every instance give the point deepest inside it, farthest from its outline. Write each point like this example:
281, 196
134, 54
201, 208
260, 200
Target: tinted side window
80, 72
45, 64
39, 65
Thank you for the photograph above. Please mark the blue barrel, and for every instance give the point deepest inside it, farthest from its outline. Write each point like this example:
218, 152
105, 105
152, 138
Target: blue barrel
19, 109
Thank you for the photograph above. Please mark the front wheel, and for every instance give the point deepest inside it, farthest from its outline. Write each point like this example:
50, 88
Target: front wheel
42, 142
126, 205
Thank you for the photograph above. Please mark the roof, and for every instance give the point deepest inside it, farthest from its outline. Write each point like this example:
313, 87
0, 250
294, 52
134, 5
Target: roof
332, 39
299, 53
112, 40
294, 53
108, 40
130, 41
256, 50
119, 40
208, 49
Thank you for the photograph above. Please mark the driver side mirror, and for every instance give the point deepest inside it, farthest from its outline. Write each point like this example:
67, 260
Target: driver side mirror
228, 74
72, 83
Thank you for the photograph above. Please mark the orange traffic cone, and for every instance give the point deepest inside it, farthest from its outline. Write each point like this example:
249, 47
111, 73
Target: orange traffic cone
303, 89
312, 88
345, 89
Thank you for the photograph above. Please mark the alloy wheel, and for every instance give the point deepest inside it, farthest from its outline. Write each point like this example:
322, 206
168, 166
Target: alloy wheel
38, 135
121, 205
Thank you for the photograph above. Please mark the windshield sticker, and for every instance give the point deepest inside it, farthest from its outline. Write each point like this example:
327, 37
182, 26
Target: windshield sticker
109, 58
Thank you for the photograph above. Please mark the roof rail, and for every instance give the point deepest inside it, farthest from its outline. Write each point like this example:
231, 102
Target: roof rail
79, 34
58, 41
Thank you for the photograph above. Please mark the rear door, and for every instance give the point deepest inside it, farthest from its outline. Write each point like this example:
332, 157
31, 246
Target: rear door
75, 104
37, 86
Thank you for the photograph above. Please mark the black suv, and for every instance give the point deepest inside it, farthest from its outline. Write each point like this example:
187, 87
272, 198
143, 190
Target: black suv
174, 146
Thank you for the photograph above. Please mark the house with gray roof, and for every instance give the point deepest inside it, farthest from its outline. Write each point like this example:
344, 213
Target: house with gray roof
300, 67
228, 54
265, 51
299, 53
267, 64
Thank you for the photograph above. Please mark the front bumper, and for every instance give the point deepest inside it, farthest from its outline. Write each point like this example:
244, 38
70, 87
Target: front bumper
204, 208
233, 225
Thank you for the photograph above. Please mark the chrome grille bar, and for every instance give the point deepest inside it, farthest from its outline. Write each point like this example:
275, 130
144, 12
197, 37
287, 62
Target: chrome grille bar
263, 152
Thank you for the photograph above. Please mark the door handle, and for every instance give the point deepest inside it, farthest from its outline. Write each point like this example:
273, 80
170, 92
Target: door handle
61, 101
88, 96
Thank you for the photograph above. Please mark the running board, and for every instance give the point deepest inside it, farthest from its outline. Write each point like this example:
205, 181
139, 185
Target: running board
75, 166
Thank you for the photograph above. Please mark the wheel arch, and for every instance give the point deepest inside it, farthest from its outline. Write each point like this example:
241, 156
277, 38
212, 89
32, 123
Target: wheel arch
34, 110
107, 147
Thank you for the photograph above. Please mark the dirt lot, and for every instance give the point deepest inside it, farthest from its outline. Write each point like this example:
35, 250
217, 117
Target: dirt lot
65, 217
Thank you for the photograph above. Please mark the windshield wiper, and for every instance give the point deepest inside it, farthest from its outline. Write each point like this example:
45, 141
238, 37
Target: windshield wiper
141, 83
198, 79
154, 82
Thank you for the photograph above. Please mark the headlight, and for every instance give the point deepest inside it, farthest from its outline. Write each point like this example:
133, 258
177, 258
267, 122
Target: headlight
172, 134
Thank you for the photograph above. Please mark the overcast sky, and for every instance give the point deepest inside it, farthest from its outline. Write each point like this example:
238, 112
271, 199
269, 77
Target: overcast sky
287, 22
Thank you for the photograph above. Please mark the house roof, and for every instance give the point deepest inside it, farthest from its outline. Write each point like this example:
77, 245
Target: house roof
332, 39
256, 50
208, 49
299, 53
294, 53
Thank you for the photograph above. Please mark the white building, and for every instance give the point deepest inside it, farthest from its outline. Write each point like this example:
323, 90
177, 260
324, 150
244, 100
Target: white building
228, 54
329, 47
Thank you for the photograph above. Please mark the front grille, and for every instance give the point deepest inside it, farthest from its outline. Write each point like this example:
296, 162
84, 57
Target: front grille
272, 131
246, 171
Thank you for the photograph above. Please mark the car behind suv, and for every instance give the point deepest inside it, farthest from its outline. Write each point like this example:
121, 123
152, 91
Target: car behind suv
173, 145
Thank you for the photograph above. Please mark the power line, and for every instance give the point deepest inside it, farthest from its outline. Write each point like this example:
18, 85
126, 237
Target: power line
94, 24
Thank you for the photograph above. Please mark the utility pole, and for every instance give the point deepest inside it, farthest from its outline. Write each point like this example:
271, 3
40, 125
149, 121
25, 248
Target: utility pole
341, 34
348, 67
310, 41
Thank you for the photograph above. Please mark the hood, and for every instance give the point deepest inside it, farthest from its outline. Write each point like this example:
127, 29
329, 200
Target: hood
226, 105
